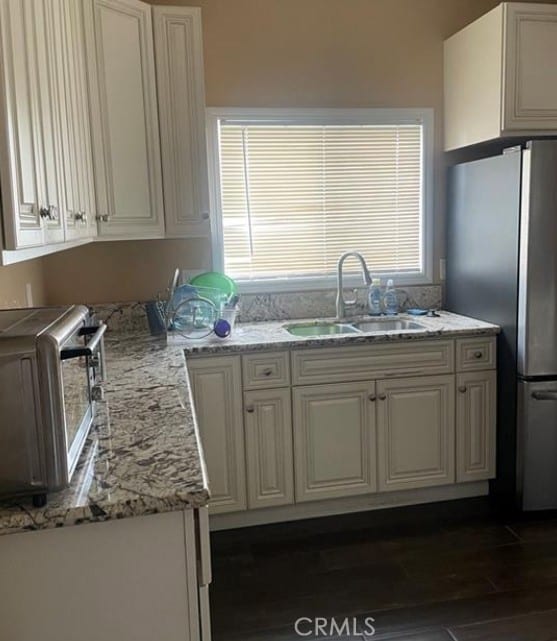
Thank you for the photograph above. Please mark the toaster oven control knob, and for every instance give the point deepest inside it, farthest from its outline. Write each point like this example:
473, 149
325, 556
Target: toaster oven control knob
97, 393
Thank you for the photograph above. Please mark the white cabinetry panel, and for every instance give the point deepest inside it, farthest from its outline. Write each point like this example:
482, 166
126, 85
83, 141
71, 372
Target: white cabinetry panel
181, 95
334, 440
268, 428
125, 118
476, 425
416, 432
217, 393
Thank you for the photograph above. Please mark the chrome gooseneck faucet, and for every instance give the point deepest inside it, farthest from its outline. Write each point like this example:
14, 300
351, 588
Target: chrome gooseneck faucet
341, 303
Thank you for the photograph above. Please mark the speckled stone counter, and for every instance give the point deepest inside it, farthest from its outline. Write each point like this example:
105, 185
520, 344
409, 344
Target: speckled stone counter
252, 337
143, 455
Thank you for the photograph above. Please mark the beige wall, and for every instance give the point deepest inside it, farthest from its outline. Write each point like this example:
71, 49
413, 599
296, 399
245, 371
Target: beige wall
119, 271
318, 53
13, 282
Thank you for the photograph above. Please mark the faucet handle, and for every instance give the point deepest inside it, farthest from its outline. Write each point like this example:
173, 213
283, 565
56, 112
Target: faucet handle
354, 300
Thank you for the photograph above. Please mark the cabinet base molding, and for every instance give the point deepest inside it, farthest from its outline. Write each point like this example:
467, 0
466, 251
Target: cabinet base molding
332, 507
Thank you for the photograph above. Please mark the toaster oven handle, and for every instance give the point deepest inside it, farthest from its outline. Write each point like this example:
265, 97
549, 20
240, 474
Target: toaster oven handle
86, 350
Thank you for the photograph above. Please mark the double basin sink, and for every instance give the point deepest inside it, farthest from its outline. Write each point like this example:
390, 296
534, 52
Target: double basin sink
331, 328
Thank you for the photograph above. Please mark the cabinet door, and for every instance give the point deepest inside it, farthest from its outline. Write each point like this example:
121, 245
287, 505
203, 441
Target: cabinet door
75, 160
181, 94
66, 82
20, 134
87, 226
475, 425
268, 430
49, 148
334, 440
416, 432
217, 393
123, 106
530, 94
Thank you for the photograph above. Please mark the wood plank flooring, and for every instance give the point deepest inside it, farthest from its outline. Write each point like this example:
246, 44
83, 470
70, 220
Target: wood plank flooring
444, 572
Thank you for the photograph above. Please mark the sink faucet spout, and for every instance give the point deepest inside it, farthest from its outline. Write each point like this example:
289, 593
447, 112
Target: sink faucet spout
341, 303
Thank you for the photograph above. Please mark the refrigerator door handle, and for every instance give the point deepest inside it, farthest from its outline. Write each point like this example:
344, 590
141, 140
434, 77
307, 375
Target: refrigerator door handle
544, 395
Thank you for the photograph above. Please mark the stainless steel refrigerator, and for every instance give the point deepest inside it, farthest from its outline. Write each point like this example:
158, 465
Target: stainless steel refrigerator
502, 268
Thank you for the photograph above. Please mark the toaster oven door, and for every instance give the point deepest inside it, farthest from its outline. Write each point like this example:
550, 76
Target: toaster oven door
81, 364
78, 408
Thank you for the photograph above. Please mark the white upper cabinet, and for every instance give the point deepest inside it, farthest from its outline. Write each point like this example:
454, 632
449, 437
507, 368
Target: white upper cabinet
45, 149
26, 142
125, 123
500, 76
75, 160
181, 96
81, 149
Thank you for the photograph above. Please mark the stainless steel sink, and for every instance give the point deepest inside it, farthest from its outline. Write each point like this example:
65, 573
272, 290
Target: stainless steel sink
320, 329
386, 325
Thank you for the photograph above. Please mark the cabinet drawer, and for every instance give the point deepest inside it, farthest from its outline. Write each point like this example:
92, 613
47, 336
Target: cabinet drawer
475, 353
266, 370
366, 362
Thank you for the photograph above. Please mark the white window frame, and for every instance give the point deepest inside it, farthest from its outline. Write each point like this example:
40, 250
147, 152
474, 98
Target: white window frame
309, 116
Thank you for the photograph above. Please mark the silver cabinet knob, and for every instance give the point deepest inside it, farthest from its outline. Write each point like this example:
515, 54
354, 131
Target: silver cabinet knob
205, 215
382, 397
250, 409
462, 389
80, 216
372, 398
103, 218
478, 354
44, 212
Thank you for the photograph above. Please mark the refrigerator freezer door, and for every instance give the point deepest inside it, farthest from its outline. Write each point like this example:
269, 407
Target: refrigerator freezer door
537, 306
482, 277
537, 445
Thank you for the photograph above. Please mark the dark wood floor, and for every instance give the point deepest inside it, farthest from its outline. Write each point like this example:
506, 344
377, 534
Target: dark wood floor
449, 572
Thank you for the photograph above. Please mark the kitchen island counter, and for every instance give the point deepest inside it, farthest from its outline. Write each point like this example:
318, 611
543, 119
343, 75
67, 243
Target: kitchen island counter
143, 455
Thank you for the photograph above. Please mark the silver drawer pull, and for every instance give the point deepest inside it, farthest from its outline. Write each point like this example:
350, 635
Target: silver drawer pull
545, 395
267, 372
478, 354
250, 409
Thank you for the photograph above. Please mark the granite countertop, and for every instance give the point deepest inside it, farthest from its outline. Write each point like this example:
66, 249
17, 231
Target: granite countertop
143, 454
270, 335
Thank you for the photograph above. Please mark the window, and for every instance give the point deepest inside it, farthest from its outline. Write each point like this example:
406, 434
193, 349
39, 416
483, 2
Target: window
294, 189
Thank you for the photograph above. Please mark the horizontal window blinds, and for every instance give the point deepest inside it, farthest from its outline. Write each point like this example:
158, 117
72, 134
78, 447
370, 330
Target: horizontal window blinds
295, 197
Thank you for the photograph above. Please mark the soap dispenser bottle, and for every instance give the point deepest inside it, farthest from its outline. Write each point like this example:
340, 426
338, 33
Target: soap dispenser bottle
390, 299
374, 297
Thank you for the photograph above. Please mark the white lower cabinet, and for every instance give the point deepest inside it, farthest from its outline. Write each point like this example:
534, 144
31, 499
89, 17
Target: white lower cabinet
416, 432
268, 431
271, 442
334, 436
475, 425
217, 394
132, 579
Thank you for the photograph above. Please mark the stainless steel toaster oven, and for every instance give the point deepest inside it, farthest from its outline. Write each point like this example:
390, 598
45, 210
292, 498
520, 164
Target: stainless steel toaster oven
51, 368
